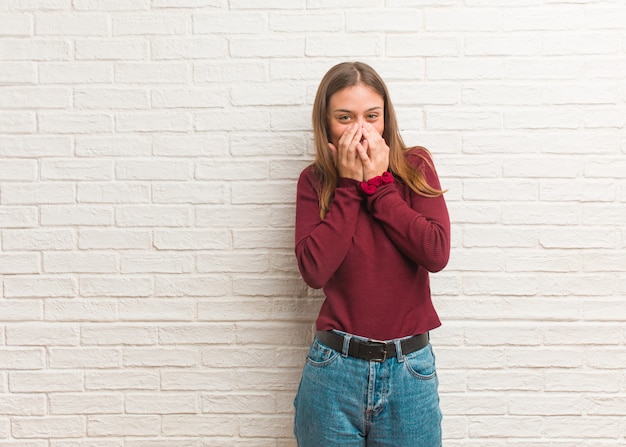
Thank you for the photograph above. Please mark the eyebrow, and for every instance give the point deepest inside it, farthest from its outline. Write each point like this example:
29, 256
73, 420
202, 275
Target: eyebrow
350, 111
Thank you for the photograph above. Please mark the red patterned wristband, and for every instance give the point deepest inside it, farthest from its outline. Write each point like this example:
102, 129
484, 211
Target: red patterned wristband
372, 184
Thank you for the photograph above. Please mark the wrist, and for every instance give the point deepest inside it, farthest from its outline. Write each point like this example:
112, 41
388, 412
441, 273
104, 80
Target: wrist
370, 186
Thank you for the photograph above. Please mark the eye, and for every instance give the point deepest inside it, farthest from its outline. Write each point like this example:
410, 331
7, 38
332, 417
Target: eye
344, 118
372, 116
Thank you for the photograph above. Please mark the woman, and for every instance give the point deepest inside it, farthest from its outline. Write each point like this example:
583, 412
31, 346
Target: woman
371, 223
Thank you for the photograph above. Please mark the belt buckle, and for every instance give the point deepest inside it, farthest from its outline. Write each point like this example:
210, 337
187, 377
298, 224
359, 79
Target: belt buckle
371, 343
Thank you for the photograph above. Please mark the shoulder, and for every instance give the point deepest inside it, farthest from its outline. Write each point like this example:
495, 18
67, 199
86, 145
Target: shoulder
309, 176
419, 157
310, 172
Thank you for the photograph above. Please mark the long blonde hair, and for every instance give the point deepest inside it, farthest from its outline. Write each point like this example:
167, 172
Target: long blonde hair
337, 78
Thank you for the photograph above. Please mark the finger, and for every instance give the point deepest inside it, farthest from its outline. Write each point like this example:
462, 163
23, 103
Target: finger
352, 135
361, 151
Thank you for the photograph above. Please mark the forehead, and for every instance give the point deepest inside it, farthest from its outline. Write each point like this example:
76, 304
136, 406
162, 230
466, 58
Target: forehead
355, 98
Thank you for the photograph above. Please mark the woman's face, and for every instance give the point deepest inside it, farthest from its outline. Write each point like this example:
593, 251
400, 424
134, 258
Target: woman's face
358, 104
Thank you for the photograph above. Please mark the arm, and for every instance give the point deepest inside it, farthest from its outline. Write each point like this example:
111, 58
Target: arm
419, 229
322, 245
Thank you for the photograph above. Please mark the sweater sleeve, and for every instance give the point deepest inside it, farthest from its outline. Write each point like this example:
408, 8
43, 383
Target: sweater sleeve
322, 245
419, 229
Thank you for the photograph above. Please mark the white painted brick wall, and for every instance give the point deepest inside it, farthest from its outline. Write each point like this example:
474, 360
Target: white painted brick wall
149, 154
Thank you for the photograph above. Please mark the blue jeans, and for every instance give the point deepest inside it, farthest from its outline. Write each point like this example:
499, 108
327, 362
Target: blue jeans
349, 402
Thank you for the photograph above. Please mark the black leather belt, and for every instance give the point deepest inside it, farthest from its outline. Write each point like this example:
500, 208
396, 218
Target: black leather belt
372, 350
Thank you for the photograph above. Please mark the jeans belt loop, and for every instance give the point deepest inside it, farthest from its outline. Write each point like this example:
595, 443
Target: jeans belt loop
399, 354
346, 345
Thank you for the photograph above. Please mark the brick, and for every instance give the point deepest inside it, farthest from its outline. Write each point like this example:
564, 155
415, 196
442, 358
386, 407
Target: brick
69, 123
122, 380
235, 309
192, 286
156, 263
86, 403
73, 262
518, 45
232, 120
192, 146
112, 49
254, 144
161, 357
267, 47
111, 5
170, 403
102, 146
174, 425
38, 193
185, 48
148, 216
238, 404
269, 4
12, 264
152, 122
189, 98
228, 262
36, 5
23, 405
232, 170
75, 73
17, 122
77, 169
69, 215
83, 24
38, 239
362, 46
38, 50
18, 73
118, 192
48, 427
108, 98
142, 72
566, 17
111, 335
273, 94
39, 286
153, 170
196, 334
463, 120
123, 425
17, 25
400, 20
499, 426
192, 240
83, 358
43, 335
150, 24
210, 379
113, 239
22, 358
228, 71
297, 22
186, 4
230, 22
45, 381
17, 170
156, 310
80, 310
32, 146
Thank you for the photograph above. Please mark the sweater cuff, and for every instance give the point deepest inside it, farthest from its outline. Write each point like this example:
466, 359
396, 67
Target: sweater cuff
345, 182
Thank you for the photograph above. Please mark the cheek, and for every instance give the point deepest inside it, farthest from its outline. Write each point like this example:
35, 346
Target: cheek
380, 127
335, 131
